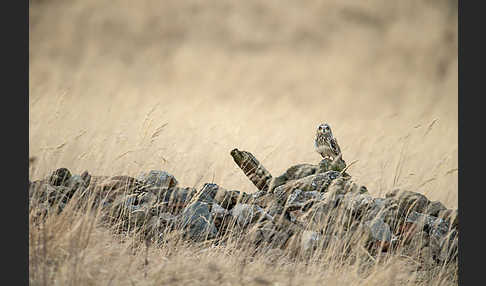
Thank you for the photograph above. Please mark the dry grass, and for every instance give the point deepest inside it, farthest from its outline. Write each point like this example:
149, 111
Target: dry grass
120, 88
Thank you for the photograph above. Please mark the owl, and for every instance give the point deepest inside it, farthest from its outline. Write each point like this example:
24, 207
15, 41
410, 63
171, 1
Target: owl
326, 145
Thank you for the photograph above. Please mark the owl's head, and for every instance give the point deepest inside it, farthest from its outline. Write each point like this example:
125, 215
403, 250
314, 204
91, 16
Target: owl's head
324, 129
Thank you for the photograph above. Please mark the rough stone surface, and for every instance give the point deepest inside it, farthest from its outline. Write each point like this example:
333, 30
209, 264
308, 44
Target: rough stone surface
435, 208
299, 199
59, 177
158, 178
409, 201
246, 214
379, 231
196, 220
304, 210
207, 193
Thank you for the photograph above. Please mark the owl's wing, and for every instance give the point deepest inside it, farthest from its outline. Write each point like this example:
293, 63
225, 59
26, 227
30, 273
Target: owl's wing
334, 146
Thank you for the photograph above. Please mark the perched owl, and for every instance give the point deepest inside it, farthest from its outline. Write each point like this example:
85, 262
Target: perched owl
326, 144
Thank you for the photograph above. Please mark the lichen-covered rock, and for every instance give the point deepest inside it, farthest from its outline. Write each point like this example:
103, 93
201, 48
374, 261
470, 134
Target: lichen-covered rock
384, 208
269, 234
379, 233
104, 191
442, 239
206, 194
300, 200
303, 210
409, 201
320, 214
59, 177
50, 198
432, 225
173, 200
197, 221
317, 183
435, 208
294, 173
245, 214
86, 176
157, 178
344, 184
252, 168
75, 182
357, 204
126, 183
219, 214
228, 199
275, 210
450, 216
328, 165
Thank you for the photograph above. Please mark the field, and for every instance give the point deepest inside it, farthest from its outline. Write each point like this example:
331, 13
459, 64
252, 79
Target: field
121, 87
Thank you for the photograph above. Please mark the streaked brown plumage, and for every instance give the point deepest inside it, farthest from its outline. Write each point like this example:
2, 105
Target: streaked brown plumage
325, 143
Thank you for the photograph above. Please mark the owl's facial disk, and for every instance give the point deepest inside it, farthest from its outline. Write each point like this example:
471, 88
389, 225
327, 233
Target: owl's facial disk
324, 128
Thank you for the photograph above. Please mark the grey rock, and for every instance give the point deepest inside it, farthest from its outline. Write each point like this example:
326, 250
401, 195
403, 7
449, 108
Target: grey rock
379, 230
434, 208
313, 183
158, 178
322, 181
300, 171
59, 177
207, 193
167, 217
261, 232
432, 225
327, 164
317, 182
75, 182
409, 201
86, 178
269, 233
221, 217
357, 204
384, 208
258, 194
344, 184
246, 214
218, 211
299, 199
228, 199
50, 197
275, 210
450, 216
294, 173
321, 213
177, 196
197, 221
442, 239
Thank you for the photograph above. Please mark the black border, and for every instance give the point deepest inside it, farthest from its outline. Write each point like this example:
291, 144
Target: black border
470, 121
15, 141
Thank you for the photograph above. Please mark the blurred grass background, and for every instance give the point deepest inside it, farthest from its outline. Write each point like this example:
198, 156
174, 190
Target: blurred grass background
117, 87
